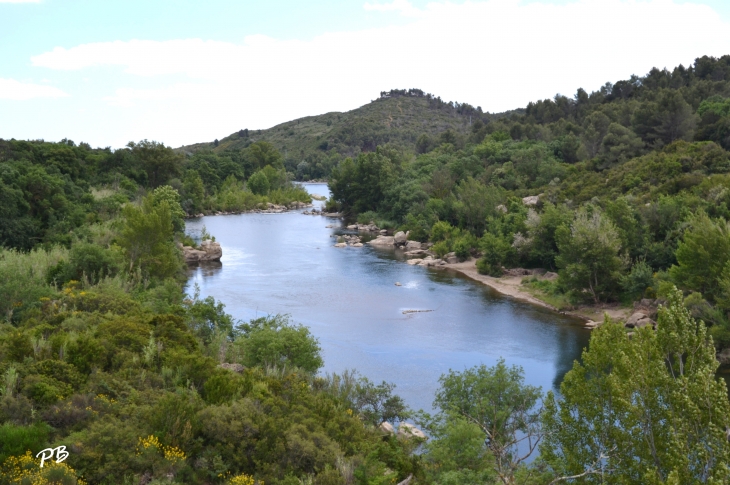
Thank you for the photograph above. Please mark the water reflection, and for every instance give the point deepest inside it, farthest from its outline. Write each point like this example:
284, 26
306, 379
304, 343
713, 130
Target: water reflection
286, 263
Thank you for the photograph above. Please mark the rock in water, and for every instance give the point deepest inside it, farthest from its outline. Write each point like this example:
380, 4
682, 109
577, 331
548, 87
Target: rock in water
400, 237
209, 251
382, 241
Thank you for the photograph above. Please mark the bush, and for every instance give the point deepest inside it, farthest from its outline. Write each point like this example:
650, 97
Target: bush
276, 342
16, 440
638, 280
258, 183
441, 248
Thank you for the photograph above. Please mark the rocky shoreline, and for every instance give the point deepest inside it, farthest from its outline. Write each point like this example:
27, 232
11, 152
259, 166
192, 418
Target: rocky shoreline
270, 209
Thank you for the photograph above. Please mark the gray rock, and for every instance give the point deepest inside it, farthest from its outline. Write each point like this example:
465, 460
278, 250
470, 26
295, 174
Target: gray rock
407, 430
352, 227
400, 237
209, 251
411, 245
341, 245
382, 241
531, 200
634, 319
386, 427
357, 245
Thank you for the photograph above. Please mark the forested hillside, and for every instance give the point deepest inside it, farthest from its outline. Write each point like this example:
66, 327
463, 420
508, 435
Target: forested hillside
629, 191
625, 192
410, 120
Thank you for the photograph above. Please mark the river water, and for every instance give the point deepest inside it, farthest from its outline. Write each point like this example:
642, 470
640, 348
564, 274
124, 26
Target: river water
287, 263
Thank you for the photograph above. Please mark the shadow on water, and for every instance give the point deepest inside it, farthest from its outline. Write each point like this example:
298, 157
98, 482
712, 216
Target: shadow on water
286, 263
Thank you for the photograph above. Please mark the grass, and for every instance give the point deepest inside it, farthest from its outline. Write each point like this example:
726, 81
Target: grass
547, 291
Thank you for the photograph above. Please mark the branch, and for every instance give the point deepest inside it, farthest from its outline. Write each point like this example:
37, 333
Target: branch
590, 471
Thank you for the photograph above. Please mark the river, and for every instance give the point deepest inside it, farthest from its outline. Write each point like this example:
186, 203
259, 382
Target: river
287, 263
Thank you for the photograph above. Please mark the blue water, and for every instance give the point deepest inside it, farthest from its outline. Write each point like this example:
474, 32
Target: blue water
286, 263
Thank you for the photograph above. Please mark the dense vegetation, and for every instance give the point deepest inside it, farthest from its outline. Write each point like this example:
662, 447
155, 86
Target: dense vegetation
50, 190
101, 350
410, 120
629, 190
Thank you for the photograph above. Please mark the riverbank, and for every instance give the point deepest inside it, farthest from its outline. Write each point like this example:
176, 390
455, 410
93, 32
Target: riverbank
511, 286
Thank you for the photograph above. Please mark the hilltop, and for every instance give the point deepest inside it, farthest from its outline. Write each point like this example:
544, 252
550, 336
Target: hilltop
398, 117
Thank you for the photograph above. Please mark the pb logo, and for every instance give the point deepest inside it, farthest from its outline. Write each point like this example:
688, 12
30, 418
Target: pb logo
60, 452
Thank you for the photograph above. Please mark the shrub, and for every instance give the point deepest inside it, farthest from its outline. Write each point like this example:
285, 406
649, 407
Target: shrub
258, 183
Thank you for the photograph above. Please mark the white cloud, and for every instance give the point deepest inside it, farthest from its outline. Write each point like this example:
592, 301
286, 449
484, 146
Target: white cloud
15, 90
404, 7
499, 54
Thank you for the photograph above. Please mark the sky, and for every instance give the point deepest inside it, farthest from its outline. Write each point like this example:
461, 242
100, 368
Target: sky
184, 71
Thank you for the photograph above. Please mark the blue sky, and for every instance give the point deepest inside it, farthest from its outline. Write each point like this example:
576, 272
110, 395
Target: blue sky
186, 71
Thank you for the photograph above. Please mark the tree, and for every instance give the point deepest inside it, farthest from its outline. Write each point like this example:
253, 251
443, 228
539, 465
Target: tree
702, 256
259, 183
619, 145
160, 162
194, 191
501, 405
589, 258
277, 342
167, 194
146, 237
642, 409
264, 153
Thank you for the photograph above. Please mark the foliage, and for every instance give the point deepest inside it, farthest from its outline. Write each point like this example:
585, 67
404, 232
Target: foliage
589, 258
496, 402
275, 341
645, 409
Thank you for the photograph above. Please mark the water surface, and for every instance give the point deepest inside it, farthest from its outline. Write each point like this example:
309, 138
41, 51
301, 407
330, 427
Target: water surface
286, 263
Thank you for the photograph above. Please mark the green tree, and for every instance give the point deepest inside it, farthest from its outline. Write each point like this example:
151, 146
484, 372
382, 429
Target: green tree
194, 191
161, 163
589, 258
642, 409
702, 256
505, 410
165, 193
277, 342
264, 153
619, 145
147, 238
258, 183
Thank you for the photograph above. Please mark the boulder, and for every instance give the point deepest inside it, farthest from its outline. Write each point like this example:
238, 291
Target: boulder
414, 261
341, 245
531, 200
352, 227
451, 258
382, 241
383, 232
502, 208
411, 245
645, 322
232, 367
209, 251
357, 245
550, 276
634, 319
386, 428
407, 430
400, 237
417, 252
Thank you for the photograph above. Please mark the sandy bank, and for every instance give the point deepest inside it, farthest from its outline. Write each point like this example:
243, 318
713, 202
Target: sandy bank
512, 287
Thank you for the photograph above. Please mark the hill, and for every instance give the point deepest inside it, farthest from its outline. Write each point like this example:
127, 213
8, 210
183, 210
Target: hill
411, 120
